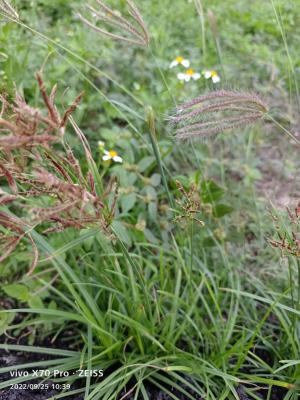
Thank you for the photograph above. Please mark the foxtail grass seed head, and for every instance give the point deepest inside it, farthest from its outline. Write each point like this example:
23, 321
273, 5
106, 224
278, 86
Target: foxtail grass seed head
7, 10
216, 112
131, 30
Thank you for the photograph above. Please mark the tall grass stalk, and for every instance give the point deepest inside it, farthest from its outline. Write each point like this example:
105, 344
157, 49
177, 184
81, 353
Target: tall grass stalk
152, 135
200, 11
214, 29
75, 56
291, 69
286, 131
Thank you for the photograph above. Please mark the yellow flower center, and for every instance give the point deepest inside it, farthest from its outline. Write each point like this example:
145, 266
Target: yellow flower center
179, 59
213, 74
112, 153
190, 72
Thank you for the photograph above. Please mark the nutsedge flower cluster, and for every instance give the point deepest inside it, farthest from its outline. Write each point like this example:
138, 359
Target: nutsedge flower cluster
32, 168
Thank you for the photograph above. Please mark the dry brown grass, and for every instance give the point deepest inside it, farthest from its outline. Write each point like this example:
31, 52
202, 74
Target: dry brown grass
24, 127
41, 186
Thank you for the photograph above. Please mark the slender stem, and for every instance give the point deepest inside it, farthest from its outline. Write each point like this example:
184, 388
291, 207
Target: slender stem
162, 75
199, 9
292, 295
75, 55
298, 297
291, 69
284, 129
192, 250
215, 33
151, 123
291, 284
89, 360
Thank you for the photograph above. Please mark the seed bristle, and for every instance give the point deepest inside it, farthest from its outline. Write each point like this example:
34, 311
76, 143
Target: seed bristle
8, 10
134, 32
217, 111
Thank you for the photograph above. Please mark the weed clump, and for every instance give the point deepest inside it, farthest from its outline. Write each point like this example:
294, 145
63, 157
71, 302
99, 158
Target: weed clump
288, 239
24, 127
31, 169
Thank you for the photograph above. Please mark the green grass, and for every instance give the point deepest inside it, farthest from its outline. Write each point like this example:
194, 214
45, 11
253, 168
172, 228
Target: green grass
211, 310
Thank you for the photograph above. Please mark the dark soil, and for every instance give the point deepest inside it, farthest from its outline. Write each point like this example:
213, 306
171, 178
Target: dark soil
156, 394
63, 341
276, 394
8, 359
16, 358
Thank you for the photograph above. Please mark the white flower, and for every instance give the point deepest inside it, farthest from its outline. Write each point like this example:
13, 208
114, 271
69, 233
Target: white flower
213, 75
112, 155
137, 86
180, 60
101, 145
188, 75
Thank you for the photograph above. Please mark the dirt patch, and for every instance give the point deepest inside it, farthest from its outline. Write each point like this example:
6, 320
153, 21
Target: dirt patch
16, 358
279, 164
28, 390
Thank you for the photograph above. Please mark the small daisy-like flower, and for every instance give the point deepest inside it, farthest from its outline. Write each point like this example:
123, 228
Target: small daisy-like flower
101, 145
213, 75
136, 86
188, 75
180, 61
111, 155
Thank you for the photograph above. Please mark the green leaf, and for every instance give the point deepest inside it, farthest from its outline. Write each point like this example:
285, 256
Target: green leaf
111, 112
145, 163
152, 209
5, 321
3, 57
35, 302
155, 179
88, 243
151, 192
149, 236
131, 178
17, 291
211, 192
253, 174
52, 305
208, 241
128, 201
122, 232
184, 180
222, 209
